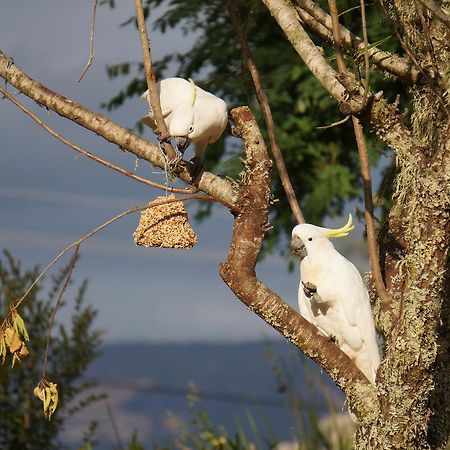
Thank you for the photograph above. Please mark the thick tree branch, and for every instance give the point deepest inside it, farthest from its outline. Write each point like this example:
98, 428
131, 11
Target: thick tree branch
287, 18
268, 118
217, 187
319, 22
239, 273
90, 155
382, 117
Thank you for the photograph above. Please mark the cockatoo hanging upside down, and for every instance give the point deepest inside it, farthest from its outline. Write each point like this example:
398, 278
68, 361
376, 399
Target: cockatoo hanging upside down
192, 115
333, 297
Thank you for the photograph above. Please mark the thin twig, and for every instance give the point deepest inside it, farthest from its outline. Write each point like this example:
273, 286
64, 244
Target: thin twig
57, 303
96, 230
334, 13
91, 155
334, 124
366, 53
150, 76
115, 428
271, 129
365, 171
91, 43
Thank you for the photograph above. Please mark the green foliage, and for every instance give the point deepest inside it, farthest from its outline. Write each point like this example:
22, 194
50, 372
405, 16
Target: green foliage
22, 421
323, 164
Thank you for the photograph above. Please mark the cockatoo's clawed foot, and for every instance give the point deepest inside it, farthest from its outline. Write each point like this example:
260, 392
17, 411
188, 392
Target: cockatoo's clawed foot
173, 164
232, 128
198, 167
333, 339
309, 289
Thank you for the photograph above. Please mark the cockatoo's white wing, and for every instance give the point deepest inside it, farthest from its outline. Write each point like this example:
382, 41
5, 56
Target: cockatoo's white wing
173, 93
210, 120
190, 112
357, 326
339, 305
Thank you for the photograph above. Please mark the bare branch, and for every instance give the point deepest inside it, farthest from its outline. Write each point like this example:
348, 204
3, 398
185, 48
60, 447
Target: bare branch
153, 96
95, 231
383, 117
334, 124
55, 308
91, 44
368, 214
221, 189
286, 16
365, 170
239, 273
268, 118
91, 155
366, 53
320, 22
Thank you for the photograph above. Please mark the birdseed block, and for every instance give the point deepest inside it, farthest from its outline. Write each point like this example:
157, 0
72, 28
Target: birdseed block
165, 226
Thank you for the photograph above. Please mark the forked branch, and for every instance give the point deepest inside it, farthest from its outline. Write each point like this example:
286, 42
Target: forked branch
217, 187
319, 21
90, 155
239, 273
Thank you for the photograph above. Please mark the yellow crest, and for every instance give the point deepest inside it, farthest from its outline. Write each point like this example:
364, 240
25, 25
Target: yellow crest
194, 91
340, 232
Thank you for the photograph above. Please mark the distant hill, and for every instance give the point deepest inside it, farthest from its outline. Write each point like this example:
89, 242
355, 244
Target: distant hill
146, 381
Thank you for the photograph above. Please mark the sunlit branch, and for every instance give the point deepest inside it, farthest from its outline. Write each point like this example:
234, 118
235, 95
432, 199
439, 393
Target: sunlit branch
150, 76
91, 155
220, 188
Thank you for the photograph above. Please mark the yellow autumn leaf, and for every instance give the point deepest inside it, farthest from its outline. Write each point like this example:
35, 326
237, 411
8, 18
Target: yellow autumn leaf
47, 392
19, 325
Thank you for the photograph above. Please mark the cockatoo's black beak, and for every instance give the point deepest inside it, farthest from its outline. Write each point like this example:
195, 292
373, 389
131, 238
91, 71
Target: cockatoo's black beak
298, 247
182, 143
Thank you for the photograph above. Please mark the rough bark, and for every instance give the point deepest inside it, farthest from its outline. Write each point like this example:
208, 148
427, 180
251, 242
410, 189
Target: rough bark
249, 202
239, 274
413, 381
410, 406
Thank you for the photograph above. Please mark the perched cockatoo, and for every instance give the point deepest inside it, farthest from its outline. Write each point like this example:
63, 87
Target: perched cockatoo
333, 297
192, 115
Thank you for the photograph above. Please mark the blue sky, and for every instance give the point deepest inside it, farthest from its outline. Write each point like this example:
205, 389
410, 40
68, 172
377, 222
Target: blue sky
49, 196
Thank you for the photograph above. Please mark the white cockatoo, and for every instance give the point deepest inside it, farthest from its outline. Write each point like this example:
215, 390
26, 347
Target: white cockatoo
333, 297
192, 115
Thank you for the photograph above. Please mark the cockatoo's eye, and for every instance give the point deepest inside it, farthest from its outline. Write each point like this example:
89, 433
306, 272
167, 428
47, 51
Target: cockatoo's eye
309, 239
191, 129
